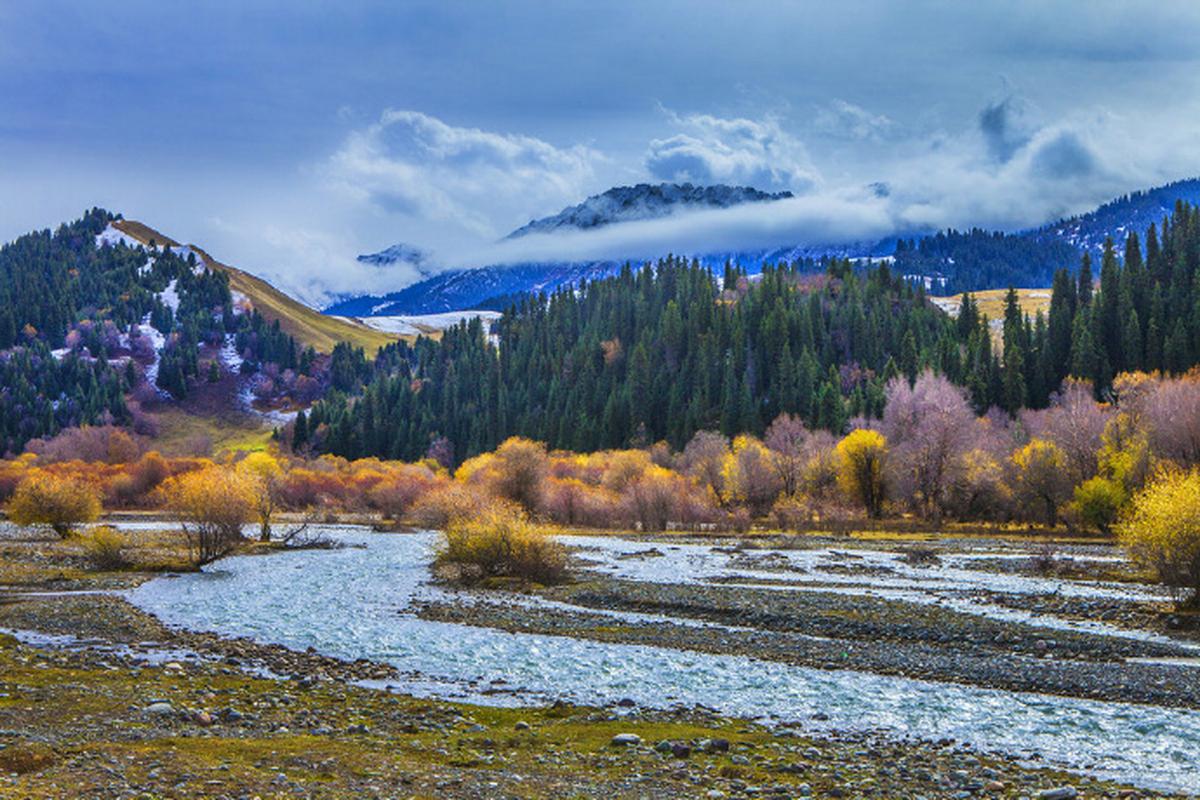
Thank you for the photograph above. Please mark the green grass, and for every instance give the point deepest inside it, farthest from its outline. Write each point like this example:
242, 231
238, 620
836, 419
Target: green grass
228, 433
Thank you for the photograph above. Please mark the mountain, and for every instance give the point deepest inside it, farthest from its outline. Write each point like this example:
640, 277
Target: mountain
1133, 212
947, 262
493, 287
107, 321
645, 201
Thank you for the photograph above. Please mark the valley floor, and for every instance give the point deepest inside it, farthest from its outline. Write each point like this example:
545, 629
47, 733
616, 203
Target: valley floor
101, 699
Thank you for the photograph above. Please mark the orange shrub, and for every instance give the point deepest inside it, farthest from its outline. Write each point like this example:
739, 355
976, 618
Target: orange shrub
446, 503
400, 489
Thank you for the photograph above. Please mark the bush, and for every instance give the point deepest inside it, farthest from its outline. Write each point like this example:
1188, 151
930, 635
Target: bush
501, 542
61, 503
791, 513
1162, 531
105, 548
395, 495
739, 520
1098, 501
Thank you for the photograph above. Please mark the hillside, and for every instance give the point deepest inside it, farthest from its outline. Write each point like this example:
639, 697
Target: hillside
1136, 211
991, 304
308, 326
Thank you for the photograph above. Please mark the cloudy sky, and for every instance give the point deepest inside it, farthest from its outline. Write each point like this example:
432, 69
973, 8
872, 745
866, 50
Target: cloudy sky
287, 137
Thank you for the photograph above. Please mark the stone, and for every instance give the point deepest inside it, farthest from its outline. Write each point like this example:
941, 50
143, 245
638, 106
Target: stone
160, 708
1058, 793
626, 740
521, 725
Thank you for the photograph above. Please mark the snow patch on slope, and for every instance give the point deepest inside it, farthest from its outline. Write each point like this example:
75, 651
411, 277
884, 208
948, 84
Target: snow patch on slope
112, 237
416, 324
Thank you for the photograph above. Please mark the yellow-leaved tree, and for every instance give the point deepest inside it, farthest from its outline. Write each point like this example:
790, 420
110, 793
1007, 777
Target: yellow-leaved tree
1041, 478
1161, 529
749, 476
861, 459
263, 473
59, 502
212, 505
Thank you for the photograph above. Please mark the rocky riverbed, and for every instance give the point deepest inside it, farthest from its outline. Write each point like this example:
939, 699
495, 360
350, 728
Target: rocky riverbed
104, 700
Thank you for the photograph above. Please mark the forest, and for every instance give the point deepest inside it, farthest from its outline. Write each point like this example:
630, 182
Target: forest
84, 326
667, 350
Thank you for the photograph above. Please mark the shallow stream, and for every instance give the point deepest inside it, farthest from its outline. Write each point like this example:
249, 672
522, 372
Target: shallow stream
353, 603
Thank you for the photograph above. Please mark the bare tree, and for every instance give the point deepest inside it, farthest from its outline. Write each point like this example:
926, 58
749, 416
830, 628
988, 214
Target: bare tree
1170, 411
1074, 422
786, 439
928, 427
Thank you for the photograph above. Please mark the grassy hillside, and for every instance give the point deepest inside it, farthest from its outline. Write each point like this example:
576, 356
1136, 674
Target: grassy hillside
309, 326
991, 304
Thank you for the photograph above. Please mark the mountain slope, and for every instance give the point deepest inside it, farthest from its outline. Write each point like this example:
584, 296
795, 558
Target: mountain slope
1133, 212
308, 326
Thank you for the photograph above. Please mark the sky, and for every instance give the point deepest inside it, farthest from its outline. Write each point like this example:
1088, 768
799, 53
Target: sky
288, 137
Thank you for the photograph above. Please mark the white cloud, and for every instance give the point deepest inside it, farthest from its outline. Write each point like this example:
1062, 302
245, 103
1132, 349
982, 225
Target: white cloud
845, 120
736, 151
413, 164
1005, 172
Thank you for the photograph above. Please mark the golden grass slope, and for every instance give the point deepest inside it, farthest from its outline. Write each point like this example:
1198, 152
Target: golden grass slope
308, 326
991, 303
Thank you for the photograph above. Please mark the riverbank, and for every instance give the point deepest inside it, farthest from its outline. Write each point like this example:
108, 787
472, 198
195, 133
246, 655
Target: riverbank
127, 707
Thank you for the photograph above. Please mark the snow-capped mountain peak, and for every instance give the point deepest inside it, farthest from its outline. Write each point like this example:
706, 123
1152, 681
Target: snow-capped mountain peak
645, 201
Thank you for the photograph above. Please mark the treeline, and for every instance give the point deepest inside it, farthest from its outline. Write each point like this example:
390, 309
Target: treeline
1143, 316
648, 355
978, 259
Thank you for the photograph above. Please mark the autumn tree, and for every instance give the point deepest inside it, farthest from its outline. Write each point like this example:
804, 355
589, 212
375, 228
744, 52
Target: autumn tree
212, 505
62, 503
862, 455
1074, 422
521, 466
703, 460
786, 439
749, 475
929, 427
1041, 477
263, 476
1162, 531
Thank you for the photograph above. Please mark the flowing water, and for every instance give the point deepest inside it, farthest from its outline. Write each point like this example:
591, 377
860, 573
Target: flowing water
352, 603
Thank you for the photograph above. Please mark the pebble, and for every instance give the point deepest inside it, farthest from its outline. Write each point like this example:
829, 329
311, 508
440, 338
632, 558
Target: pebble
1058, 793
